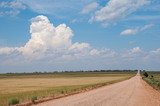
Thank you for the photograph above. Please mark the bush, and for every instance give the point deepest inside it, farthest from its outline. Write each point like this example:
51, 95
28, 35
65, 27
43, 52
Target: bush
145, 74
62, 92
34, 98
13, 101
158, 84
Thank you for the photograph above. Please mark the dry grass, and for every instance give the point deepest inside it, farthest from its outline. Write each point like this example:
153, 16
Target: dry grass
30, 84
153, 79
26, 86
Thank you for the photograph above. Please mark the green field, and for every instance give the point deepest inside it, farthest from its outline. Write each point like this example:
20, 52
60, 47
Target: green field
153, 79
25, 86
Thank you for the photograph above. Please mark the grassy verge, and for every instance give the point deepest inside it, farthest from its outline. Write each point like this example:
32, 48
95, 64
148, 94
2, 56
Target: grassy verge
153, 79
60, 91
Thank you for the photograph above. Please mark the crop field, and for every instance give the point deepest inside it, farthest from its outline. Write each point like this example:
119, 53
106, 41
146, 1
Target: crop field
153, 79
25, 86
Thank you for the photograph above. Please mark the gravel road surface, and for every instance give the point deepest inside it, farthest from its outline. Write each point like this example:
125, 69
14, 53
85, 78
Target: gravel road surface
132, 92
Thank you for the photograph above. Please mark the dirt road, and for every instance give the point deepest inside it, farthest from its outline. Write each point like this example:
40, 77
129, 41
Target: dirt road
132, 92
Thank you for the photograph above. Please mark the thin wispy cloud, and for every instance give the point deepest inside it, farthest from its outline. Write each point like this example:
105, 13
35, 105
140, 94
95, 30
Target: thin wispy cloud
12, 8
89, 8
136, 30
58, 8
143, 18
117, 9
129, 32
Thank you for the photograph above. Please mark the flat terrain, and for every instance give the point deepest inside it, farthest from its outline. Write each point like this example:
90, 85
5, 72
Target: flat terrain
25, 86
153, 79
132, 92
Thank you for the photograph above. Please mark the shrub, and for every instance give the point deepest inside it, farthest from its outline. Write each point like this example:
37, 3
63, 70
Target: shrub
62, 92
13, 101
158, 84
145, 74
152, 76
34, 98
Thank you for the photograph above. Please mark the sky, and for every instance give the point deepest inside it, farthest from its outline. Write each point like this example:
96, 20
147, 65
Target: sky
72, 35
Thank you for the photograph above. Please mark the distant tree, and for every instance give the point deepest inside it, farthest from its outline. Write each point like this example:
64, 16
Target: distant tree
143, 70
145, 74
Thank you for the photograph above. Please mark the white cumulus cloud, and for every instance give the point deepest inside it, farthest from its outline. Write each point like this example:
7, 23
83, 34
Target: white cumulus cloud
134, 53
136, 50
49, 41
6, 50
51, 47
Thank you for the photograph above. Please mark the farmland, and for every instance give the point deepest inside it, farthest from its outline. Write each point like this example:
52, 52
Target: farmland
25, 86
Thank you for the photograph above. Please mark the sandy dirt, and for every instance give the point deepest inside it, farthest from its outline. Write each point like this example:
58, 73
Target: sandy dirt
132, 92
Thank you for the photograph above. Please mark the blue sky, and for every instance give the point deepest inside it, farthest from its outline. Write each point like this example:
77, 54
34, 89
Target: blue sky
47, 35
